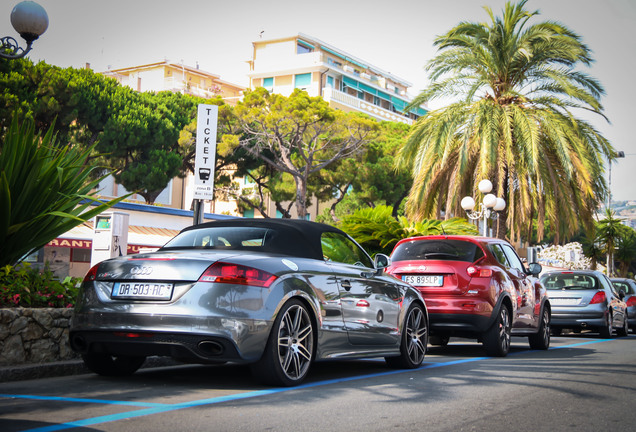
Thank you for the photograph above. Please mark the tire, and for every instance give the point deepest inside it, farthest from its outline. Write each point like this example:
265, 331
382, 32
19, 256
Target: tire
541, 339
109, 365
414, 340
290, 348
496, 339
439, 340
624, 331
607, 331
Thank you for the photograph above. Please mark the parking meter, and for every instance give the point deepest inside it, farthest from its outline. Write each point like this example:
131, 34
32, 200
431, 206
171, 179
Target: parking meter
110, 236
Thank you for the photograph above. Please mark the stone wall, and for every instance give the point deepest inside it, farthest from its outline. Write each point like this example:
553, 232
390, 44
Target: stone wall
34, 336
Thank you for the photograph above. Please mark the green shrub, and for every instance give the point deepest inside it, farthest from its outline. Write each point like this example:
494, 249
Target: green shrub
25, 286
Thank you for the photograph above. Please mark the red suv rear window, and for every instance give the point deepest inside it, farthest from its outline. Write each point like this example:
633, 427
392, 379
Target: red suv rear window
437, 249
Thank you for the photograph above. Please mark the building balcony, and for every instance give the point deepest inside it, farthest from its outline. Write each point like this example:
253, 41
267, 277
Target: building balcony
333, 95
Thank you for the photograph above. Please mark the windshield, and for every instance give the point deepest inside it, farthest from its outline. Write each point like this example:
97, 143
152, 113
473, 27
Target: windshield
570, 281
443, 249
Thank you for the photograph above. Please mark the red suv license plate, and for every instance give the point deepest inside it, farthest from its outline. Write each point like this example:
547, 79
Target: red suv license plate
424, 280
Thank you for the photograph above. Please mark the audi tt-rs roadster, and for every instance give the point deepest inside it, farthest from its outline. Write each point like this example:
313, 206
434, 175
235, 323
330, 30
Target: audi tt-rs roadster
269, 293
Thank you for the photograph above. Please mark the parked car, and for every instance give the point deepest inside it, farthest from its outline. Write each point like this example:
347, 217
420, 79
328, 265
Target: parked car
475, 287
585, 300
628, 286
263, 292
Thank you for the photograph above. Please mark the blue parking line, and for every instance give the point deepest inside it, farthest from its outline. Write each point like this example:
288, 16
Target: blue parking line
162, 408
82, 400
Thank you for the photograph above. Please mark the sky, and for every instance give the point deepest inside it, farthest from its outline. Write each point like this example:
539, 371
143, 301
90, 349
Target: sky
396, 36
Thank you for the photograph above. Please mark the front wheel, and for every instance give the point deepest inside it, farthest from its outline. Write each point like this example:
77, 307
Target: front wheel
496, 339
414, 340
290, 347
541, 339
110, 365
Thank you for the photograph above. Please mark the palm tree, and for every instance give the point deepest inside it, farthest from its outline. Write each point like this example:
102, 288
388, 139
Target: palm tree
610, 232
515, 87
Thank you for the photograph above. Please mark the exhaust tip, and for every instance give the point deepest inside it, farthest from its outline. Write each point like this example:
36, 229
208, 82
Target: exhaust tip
211, 348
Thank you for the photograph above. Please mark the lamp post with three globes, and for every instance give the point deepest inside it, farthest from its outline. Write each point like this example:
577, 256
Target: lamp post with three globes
488, 208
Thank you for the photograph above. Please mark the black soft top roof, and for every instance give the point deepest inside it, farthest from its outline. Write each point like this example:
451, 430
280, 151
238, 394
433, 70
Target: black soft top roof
294, 237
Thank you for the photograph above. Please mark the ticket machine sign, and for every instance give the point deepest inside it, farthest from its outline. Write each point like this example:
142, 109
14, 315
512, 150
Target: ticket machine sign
205, 156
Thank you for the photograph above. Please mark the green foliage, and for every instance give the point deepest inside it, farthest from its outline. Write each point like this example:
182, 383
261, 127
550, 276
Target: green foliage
378, 231
299, 135
24, 286
45, 190
515, 87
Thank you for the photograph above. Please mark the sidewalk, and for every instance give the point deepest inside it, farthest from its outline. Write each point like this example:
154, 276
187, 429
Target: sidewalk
64, 368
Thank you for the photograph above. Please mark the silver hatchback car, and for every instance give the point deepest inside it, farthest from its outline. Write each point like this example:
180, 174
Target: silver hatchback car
585, 300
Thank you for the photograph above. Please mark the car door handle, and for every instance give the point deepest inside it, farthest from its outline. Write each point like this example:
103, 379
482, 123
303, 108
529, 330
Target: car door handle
346, 285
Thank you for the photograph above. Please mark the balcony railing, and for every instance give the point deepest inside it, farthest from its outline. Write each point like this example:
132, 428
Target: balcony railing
330, 94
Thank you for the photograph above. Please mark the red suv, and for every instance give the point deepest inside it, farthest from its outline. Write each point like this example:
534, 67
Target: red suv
475, 287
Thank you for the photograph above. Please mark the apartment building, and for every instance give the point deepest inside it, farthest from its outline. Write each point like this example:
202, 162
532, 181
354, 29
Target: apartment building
178, 78
346, 82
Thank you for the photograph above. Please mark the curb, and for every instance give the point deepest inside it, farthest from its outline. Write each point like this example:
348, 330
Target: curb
64, 368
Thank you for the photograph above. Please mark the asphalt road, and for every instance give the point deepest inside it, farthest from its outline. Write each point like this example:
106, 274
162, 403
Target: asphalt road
582, 383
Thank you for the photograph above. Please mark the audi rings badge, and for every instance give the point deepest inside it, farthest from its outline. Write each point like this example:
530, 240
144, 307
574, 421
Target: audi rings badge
140, 270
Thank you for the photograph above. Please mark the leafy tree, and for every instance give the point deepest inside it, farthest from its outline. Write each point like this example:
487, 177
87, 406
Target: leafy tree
625, 253
378, 231
369, 177
299, 135
516, 87
141, 140
44, 190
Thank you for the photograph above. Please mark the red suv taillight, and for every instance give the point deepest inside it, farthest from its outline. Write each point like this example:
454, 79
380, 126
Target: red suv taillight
92, 274
479, 272
631, 301
599, 297
221, 272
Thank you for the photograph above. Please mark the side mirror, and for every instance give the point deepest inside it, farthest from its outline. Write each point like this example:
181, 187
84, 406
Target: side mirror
534, 269
381, 261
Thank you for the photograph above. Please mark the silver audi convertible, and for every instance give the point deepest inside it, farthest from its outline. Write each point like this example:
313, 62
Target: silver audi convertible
267, 292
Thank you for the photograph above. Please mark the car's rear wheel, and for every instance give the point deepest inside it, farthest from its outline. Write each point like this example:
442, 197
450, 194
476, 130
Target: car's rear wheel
541, 339
414, 340
110, 365
290, 347
607, 331
624, 331
496, 339
439, 340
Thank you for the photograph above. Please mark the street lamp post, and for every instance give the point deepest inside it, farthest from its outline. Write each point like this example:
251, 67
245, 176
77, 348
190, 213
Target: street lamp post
30, 20
488, 208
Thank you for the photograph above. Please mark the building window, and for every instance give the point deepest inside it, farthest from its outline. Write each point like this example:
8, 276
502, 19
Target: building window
248, 213
302, 81
330, 81
268, 83
303, 48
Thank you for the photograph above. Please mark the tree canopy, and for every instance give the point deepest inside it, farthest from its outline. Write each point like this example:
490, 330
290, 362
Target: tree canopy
515, 88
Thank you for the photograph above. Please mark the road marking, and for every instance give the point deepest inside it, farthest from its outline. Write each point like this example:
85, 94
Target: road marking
81, 400
162, 408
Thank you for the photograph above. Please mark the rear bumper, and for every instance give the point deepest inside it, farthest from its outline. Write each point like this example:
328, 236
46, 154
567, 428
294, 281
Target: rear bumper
459, 316
591, 318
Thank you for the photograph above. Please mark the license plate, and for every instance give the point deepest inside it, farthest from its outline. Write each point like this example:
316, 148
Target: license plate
424, 280
142, 290
564, 301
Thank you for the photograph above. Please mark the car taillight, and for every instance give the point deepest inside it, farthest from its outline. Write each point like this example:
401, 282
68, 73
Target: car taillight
220, 272
92, 274
479, 272
631, 301
599, 297
363, 303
